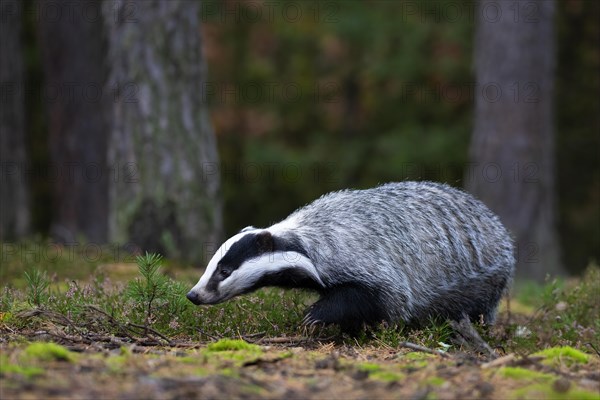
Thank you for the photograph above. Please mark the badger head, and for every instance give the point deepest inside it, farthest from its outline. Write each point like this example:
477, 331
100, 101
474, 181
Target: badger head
252, 259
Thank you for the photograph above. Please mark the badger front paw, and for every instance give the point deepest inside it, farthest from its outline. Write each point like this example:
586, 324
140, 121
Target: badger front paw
310, 320
349, 307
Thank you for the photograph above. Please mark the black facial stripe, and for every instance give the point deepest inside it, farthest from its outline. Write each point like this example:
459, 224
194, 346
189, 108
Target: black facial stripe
251, 246
291, 277
213, 282
291, 243
244, 249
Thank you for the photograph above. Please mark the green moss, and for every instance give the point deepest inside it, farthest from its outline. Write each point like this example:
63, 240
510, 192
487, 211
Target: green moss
386, 376
369, 367
116, 363
238, 356
376, 371
188, 360
435, 381
28, 372
7, 368
125, 351
415, 355
229, 372
522, 373
201, 371
416, 365
545, 391
558, 355
416, 360
232, 345
48, 352
237, 352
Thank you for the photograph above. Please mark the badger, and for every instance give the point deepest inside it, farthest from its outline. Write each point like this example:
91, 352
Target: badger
402, 253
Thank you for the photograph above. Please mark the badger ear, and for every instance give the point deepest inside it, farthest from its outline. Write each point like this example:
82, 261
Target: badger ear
265, 241
248, 228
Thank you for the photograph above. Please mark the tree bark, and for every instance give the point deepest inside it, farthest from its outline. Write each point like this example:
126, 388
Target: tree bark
15, 214
73, 51
165, 193
512, 148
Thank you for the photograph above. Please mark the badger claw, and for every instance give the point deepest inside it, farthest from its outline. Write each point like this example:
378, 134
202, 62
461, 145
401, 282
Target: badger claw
309, 321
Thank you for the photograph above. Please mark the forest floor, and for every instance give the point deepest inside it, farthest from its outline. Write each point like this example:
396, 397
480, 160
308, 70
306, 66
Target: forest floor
549, 351
230, 369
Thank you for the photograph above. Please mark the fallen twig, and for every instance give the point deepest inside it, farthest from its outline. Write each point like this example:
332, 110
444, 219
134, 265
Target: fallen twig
54, 317
508, 359
153, 331
125, 329
290, 340
594, 347
276, 340
208, 334
112, 320
416, 347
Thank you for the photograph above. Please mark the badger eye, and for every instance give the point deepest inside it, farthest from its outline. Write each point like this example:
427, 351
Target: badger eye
224, 272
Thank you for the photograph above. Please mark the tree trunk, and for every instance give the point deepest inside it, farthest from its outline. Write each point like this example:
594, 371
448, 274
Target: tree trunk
15, 214
512, 148
73, 51
165, 193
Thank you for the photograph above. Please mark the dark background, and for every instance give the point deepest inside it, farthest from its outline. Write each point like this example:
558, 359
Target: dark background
348, 94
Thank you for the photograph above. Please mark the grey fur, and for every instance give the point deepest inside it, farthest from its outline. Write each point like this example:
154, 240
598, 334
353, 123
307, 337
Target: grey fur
402, 252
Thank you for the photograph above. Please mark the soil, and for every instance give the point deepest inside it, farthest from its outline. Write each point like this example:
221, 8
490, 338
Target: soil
287, 368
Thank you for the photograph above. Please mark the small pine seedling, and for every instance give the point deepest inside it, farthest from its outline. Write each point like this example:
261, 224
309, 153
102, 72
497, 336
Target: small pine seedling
152, 286
37, 285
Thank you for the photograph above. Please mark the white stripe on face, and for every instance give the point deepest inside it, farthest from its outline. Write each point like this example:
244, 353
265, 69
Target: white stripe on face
252, 270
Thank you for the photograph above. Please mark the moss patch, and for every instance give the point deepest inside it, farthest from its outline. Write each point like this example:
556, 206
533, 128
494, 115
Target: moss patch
232, 345
415, 355
47, 352
6, 368
369, 367
544, 391
237, 352
415, 360
377, 371
556, 356
386, 376
522, 373
435, 381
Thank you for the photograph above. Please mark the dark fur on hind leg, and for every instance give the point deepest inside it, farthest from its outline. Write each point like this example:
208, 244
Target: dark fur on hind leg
468, 335
349, 306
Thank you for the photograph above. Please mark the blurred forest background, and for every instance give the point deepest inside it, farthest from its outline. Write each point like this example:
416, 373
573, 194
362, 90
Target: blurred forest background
287, 101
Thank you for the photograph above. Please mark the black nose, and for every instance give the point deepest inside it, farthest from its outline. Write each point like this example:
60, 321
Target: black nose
193, 298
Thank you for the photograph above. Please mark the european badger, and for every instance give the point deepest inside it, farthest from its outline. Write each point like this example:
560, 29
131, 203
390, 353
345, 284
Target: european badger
399, 252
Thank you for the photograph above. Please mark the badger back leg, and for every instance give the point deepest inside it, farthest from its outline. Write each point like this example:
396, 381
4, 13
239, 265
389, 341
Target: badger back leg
484, 299
349, 306
476, 301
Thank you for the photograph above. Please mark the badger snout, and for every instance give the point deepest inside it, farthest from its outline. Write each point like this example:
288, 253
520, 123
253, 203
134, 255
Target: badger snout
193, 297
201, 297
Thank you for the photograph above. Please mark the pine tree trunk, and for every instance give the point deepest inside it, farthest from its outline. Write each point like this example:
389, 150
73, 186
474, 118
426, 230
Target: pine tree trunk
73, 51
165, 193
15, 214
512, 148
